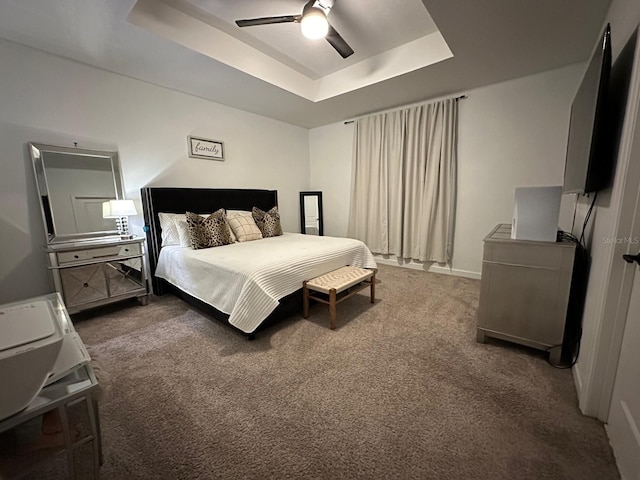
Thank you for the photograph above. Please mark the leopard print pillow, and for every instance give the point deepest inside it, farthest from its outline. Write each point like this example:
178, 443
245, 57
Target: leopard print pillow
212, 231
268, 222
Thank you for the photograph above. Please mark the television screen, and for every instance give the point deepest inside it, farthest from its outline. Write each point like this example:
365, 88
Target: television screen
586, 167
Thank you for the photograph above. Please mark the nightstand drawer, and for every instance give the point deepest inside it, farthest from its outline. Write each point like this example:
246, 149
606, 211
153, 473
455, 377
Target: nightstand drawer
95, 253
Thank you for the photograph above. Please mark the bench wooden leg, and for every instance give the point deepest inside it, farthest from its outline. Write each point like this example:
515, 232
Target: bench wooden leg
373, 288
332, 308
305, 300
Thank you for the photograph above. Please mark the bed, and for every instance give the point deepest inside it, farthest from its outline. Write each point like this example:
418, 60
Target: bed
248, 285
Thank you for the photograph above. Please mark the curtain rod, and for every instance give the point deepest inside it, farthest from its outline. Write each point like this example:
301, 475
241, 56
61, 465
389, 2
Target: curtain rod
461, 97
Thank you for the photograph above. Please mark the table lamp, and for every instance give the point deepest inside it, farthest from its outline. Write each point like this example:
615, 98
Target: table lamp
120, 210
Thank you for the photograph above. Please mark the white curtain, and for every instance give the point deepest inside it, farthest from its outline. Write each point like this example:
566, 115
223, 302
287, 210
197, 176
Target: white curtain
404, 182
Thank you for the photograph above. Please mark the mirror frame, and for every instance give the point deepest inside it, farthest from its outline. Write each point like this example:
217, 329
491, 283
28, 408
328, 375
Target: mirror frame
37, 150
317, 194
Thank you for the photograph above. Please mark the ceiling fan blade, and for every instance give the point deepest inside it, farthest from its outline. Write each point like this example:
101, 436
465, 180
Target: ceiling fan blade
337, 42
250, 22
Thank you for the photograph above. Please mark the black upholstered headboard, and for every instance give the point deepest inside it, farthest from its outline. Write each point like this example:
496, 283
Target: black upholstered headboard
199, 200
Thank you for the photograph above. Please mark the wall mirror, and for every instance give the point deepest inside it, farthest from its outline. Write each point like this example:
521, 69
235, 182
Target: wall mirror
72, 184
311, 213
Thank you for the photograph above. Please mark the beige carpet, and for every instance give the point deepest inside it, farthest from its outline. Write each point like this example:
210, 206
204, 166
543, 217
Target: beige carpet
400, 390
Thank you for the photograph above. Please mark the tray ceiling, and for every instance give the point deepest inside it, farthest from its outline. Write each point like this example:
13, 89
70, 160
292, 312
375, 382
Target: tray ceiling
406, 50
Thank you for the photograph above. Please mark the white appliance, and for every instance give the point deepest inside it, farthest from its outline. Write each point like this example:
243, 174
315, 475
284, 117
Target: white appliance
536, 212
38, 345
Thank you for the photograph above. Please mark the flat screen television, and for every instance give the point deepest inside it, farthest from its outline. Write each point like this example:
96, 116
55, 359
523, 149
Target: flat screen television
588, 160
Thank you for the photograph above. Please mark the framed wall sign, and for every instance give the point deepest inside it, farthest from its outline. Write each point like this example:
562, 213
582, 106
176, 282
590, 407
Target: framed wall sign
203, 148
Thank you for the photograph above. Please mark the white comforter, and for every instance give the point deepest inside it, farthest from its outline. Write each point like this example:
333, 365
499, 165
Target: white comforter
247, 280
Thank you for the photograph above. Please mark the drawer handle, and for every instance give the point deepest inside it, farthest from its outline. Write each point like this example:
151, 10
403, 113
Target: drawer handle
85, 285
76, 256
126, 249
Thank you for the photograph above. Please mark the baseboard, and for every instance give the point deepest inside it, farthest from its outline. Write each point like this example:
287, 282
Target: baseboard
427, 267
455, 271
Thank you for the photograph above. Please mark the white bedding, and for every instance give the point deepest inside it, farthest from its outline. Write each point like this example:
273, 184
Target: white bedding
247, 280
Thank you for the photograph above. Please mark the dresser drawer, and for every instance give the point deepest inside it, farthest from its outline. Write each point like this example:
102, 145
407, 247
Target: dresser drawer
542, 255
123, 279
84, 284
96, 253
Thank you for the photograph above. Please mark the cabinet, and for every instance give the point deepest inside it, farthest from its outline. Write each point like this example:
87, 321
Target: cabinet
97, 272
524, 291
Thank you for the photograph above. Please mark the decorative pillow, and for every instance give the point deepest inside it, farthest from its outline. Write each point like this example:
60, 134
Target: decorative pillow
245, 228
212, 231
234, 239
268, 222
169, 233
236, 213
183, 231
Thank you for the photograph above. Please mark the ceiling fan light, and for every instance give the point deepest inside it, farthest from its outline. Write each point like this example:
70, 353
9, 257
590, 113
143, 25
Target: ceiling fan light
314, 24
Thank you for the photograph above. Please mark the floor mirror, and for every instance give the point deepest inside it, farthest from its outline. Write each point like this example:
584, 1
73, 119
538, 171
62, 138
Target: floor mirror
311, 213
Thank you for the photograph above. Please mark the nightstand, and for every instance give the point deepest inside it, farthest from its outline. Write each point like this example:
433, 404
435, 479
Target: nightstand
91, 273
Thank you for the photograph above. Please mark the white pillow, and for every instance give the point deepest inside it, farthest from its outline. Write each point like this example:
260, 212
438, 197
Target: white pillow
183, 232
244, 227
169, 231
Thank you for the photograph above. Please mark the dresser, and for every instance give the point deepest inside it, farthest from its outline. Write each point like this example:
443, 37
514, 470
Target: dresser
524, 291
91, 273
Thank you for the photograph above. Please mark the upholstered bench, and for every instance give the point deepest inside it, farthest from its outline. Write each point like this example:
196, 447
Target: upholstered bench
349, 280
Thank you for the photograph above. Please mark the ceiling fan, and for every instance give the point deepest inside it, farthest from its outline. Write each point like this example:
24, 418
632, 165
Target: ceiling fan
313, 23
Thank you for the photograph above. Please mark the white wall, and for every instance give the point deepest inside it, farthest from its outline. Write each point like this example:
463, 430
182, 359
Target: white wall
510, 134
330, 156
48, 99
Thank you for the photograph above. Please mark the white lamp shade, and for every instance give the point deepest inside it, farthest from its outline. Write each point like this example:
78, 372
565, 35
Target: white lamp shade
118, 208
314, 24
